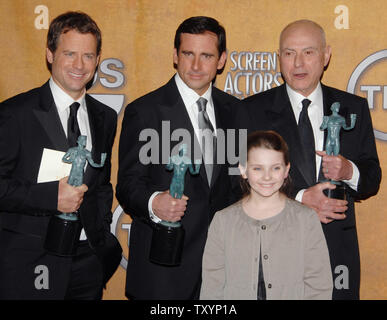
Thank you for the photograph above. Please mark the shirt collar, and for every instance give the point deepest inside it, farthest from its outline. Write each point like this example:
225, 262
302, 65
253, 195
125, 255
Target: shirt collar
296, 98
188, 95
62, 99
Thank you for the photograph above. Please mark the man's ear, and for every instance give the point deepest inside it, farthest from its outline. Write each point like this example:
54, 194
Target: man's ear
49, 56
327, 55
175, 57
222, 60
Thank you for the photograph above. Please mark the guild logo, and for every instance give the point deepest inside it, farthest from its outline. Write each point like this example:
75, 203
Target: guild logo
252, 72
110, 77
366, 80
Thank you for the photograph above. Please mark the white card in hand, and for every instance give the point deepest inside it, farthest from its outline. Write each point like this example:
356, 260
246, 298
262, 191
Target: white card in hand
52, 168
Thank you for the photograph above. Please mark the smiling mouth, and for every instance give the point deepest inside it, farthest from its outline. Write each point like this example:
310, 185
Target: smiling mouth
267, 185
75, 75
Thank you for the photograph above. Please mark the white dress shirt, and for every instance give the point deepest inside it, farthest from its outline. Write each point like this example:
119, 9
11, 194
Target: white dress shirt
189, 97
316, 115
63, 101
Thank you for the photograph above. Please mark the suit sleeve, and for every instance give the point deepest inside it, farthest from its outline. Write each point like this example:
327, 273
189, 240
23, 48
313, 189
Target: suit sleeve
367, 159
134, 185
16, 193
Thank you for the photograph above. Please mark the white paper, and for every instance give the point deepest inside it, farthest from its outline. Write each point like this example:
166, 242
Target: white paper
52, 168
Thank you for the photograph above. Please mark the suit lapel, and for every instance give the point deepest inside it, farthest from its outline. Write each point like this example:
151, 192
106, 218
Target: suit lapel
47, 115
97, 131
327, 102
222, 111
282, 120
172, 108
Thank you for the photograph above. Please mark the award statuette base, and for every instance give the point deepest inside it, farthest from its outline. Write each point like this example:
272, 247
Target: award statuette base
62, 235
338, 193
167, 244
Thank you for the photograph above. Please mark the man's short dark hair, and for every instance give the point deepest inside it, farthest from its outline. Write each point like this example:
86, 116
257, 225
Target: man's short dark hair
199, 25
72, 20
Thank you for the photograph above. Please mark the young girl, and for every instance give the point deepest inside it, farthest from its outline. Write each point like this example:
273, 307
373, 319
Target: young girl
266, 246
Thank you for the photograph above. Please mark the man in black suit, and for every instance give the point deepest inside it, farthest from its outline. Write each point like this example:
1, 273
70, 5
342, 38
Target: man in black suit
303, 57
40, 119
142, 189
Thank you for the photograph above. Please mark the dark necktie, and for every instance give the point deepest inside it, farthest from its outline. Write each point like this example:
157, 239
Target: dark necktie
73, 131
207, 138
307, 138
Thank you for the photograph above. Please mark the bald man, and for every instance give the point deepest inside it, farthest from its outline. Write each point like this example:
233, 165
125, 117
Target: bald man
304, 55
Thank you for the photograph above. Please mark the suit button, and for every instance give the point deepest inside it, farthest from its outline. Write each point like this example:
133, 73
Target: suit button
269, 285
263, 227
265, 257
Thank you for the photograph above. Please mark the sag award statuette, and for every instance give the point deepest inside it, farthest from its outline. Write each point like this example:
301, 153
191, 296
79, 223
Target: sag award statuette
168, 237
334, 123
64, 229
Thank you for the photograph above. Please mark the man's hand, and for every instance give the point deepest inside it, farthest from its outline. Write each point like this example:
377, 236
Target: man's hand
70, 198
325, 207
168, 208
335, 167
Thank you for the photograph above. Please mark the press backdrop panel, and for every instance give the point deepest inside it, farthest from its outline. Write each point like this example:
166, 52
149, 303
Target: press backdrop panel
137, 58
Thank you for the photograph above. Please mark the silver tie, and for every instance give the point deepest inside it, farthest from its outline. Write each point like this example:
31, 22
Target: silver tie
207, 138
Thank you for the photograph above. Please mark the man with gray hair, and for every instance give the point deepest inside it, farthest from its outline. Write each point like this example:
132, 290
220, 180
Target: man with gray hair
296, 110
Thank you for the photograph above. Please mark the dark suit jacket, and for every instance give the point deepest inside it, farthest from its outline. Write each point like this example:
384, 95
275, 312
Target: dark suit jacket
271, 110
137, 182
29, 122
